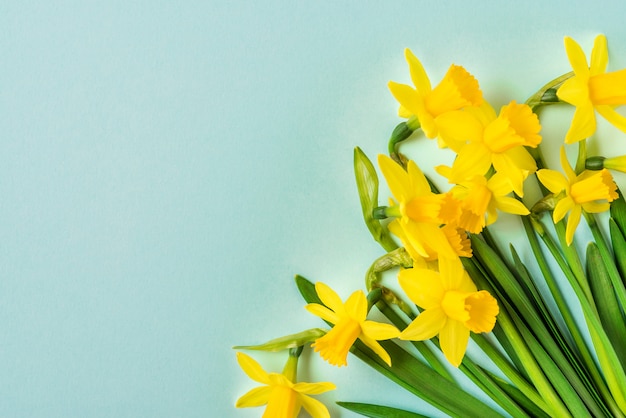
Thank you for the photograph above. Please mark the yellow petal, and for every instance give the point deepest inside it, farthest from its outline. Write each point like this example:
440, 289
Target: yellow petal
356, 306
599, 55
595, 207
418, 74
459, 127
569, 171
452, 274
314, 407
511, 205
255, 397
376, 348
575, 91
562, 207
506, 165
425, 326
576, 57
252, 368
397, 179
552, 180
453, 340
323, 312
422, 286
583, 123
614, 118
329, 298
572, 222
407, 96
418, 183
379, 331
473, 159
313, 388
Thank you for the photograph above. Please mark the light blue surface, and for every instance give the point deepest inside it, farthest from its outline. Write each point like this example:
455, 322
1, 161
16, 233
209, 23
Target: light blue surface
166, 168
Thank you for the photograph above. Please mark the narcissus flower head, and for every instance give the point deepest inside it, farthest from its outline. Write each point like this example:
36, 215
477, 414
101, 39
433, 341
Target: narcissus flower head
350, 324
590, 191
452, 307
282, 395
592, 89
457, 89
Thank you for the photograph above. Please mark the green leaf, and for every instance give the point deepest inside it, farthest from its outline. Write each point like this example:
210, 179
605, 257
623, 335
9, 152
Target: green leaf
378, 411
608, 308
618, 212
367, 185
618, 243
288, 341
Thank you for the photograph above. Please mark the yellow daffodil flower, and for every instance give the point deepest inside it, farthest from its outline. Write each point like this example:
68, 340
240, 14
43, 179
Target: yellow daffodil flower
458, 89
590, 191
497, 141
452, 307
592, 89
350, 323
421, 211
481, 198
283, 397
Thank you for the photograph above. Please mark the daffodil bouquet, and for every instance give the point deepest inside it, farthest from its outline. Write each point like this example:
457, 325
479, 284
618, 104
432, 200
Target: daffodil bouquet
552, 357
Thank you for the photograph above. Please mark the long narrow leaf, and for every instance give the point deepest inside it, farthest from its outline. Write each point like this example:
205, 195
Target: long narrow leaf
378, 411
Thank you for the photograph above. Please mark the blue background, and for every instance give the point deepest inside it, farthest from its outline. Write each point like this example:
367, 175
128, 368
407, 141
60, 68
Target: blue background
167, 167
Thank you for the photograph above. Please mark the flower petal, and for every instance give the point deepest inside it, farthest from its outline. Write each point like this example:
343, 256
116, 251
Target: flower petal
314, 407
599, 55
511, 205
379, 331
572, 222
252, 368
313, 388
458, 127
329, 298
422, 286
595, 207
418, 74
323, 312
376, 348
552, 180
408, 97
255, 397
472, 159
611, 115
576, 57
356, 306
453, 340
452, 274
562, 207
583, 123
397, 179
418, 183
427, 324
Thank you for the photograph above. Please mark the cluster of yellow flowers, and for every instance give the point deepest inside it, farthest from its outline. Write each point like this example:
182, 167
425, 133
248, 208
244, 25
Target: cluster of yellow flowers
496, 152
